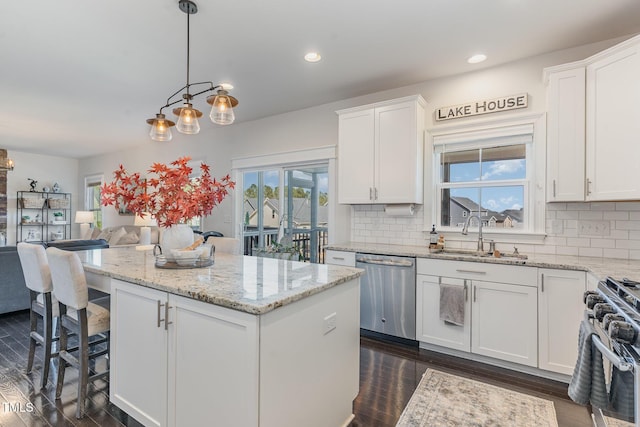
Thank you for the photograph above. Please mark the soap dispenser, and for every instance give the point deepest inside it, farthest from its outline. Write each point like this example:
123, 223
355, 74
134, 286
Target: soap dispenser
433, 238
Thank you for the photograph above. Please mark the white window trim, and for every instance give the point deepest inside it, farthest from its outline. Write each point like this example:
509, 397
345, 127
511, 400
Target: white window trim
484, 129
285, 160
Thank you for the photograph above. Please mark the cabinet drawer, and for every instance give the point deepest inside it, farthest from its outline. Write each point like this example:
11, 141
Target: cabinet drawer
347, 259
514, 274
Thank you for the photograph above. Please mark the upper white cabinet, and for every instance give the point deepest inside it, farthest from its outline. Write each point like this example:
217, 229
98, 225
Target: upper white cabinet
613, 124
380, 152
566, 135
593, 126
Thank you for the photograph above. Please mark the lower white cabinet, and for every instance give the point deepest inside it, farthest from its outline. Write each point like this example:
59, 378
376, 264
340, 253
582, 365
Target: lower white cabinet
504, 321
520, 314
429, 326
345, 258
561, 310
169, 374
500, 320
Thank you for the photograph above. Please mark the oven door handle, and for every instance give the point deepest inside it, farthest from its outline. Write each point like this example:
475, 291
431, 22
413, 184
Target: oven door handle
618, 361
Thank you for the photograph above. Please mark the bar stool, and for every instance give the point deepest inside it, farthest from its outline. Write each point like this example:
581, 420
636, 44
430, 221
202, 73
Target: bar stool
37, 277
79, 316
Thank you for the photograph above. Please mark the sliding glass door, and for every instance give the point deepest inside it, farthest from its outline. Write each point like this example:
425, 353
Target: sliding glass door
286, 207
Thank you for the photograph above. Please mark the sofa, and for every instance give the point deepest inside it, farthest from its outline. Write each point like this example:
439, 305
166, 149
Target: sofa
14, 294
124, 235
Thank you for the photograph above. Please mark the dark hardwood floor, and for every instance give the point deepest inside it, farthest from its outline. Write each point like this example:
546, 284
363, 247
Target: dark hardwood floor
389, 374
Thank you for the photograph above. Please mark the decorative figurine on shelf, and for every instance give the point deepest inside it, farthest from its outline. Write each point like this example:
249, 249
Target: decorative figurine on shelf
37, 217
32, 184
56, 187
45, 189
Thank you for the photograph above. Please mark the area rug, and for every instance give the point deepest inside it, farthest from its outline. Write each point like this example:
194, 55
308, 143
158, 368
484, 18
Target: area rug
448, 400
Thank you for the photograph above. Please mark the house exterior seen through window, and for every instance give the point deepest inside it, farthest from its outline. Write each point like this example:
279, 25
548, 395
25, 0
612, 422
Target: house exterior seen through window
486, 178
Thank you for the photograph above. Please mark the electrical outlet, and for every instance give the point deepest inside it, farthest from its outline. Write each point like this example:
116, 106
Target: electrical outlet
593, 228
329, 323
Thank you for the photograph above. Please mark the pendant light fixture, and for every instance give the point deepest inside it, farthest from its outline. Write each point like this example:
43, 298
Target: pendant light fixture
222, 103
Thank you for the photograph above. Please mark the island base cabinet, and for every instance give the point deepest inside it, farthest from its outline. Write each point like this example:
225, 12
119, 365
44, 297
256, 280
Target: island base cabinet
505, 322
317, 389
138, 353
179, 362
176, 361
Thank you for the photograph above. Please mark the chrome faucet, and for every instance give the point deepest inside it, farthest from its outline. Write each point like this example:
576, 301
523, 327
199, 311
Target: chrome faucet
465, 228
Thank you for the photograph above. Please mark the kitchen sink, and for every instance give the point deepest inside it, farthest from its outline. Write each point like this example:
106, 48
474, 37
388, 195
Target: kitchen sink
475, 253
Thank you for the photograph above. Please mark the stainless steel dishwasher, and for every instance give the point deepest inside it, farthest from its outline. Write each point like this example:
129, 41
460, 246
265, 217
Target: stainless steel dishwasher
388, 295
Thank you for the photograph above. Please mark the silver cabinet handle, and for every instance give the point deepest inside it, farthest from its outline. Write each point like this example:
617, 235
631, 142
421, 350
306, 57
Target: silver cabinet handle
370, 193
339, 258
588, 186
465, 291
554, 188
542, 282
160, 320
475, 293
166, 316
375, 192
472, 271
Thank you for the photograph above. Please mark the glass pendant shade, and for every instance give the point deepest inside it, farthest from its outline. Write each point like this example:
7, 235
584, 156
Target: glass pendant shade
188, 120
160, 128
222, 110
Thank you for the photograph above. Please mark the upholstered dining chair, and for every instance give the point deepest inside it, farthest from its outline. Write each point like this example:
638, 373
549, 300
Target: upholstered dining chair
37, 277
77, 316
226, 244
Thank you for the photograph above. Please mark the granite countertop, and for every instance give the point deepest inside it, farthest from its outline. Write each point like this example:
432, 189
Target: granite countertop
600, 267
244, 283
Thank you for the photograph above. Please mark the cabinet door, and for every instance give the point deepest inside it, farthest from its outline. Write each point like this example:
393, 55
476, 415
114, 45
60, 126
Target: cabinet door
560, 313
399, 153
213, 365
504, 322
356, 157
566, 135
138, 353
429, 327
613, 126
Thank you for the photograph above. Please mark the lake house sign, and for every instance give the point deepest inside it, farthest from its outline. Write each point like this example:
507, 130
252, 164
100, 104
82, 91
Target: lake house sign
512, 102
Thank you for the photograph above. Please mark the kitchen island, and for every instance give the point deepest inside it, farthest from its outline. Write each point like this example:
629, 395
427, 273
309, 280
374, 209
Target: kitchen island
246, 342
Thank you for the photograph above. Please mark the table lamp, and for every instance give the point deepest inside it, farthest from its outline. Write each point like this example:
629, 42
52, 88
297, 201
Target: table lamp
84, 218
145, 225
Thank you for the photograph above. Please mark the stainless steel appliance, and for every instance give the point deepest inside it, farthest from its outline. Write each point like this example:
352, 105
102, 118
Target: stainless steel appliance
388, 295
614, 310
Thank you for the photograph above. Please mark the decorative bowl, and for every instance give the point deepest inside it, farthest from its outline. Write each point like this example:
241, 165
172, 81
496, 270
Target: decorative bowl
185, 258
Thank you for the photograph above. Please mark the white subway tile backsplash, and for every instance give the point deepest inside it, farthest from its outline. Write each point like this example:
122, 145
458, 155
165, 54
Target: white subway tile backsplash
370, 224
616, 215
592, 252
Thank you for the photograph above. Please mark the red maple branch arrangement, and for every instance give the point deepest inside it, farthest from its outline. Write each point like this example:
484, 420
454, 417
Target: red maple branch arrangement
171, 196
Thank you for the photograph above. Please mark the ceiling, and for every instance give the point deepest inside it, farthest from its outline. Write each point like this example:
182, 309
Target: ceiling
79, 78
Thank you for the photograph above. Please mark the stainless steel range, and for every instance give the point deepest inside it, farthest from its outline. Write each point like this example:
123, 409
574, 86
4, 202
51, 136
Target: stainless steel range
614, 310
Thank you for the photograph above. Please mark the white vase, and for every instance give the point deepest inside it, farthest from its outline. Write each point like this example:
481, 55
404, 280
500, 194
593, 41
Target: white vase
177, 236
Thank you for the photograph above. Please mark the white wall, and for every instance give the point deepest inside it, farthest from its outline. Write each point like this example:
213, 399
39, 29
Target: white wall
318, 127
46, 170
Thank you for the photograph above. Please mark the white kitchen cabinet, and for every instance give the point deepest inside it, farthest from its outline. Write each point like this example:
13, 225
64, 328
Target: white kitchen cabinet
612, 123
501, 315
561, 310
566, 134
429, 327
380, 152
347, 259
593, 126
504, 322
165, 374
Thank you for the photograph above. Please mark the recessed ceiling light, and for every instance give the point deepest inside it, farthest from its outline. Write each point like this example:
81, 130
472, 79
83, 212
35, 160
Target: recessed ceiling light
312, 57
226, 86
477, 58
